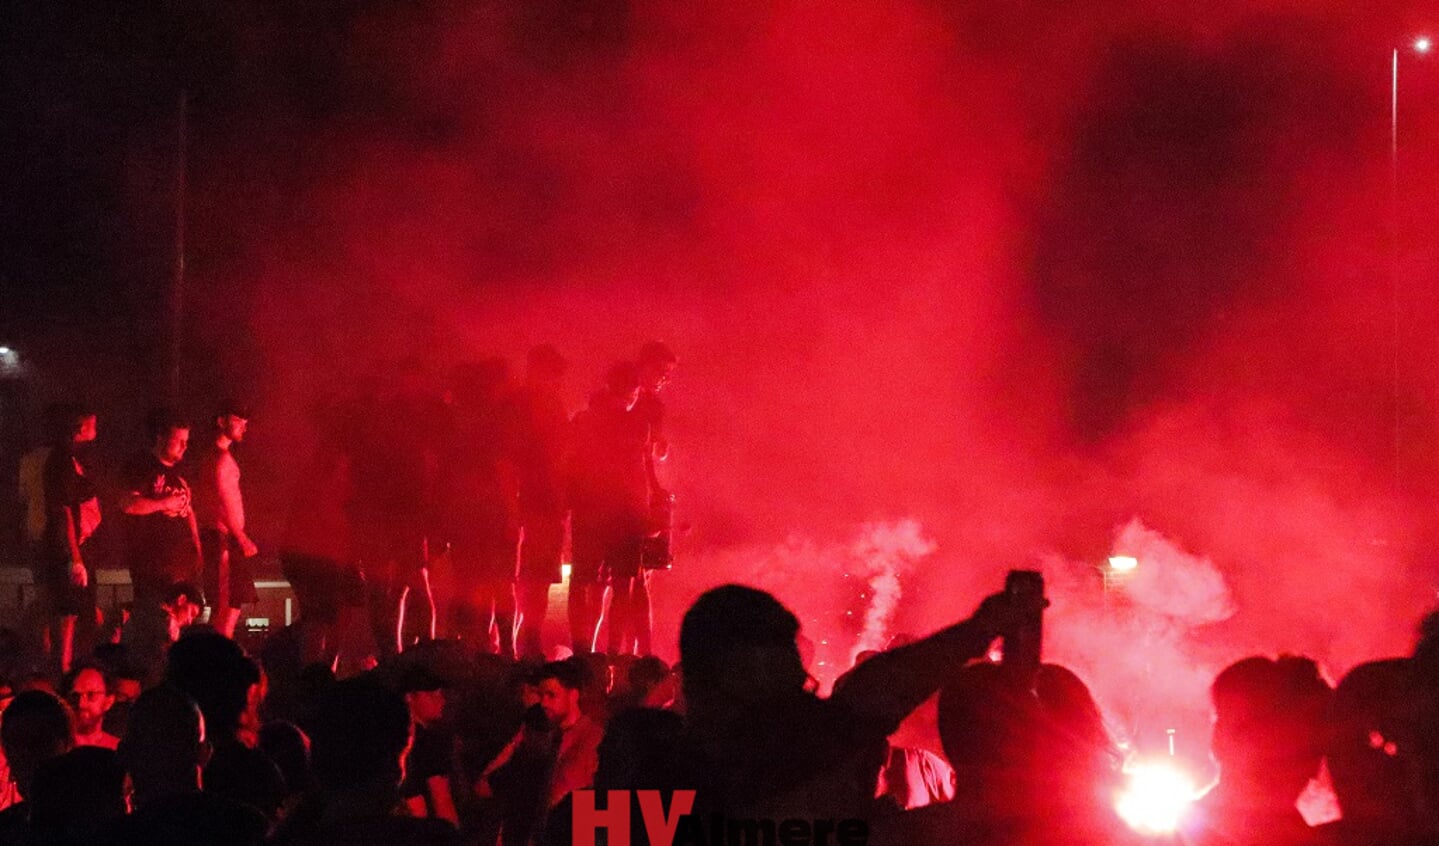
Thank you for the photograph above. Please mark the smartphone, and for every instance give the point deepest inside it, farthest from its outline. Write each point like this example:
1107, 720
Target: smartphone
1022, 650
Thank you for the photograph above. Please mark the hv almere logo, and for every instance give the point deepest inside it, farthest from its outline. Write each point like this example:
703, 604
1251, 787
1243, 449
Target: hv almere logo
679, 827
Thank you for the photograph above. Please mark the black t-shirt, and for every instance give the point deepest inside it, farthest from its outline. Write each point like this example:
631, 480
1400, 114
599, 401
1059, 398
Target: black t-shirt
158, 546
66, 486
609, 473
430, 756
191, 819
245, 775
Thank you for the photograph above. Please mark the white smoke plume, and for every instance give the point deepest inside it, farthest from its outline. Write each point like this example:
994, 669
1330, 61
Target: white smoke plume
885, 552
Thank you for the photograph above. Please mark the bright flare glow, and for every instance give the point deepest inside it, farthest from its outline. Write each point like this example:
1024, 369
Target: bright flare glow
1422, 44
1154, 800
5, 351
1123, 563
565, 572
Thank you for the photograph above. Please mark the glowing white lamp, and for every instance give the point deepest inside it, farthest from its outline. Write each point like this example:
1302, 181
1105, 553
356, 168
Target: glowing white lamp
1155, 798
1123, 563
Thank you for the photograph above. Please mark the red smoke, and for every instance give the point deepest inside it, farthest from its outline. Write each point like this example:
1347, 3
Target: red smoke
1018, 273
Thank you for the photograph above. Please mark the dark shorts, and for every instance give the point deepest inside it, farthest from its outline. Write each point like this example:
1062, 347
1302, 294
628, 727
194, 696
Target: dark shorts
58, 596
606, 549
219, 547
389, 556
474, 567
323, 586
542, 543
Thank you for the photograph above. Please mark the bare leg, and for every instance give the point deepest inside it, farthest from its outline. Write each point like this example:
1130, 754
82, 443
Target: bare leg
504, 617
532, 599
65, 641
619, 629
228, 619
427, 602
586, 614
643, 615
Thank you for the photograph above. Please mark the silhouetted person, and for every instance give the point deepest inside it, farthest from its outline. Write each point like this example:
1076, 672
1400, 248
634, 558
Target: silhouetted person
286, 745
427, 787
36, 728
79, 798
759, 744
1370, 762
164, 752
610, 510
162, 539
89, 690
656, 364
480, 506
318, 558
1268, 741
540, 450
394, 466
64, 569
215, 672
650, 684
220, 510
359, 739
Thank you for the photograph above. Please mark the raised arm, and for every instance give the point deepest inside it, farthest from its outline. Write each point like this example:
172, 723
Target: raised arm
888, 687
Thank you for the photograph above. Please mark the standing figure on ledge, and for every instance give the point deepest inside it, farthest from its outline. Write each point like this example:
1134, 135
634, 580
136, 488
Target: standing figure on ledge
220, 509
162, 538
657, 362
64, 575
542, 441
610, 509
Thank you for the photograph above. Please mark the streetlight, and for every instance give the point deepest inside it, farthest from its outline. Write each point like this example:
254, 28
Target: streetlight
1421, 45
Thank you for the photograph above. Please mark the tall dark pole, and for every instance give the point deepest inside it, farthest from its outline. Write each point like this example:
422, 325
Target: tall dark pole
1394, 248
177, 273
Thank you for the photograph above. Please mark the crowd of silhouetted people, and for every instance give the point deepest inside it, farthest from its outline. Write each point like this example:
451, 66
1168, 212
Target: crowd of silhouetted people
449, 742
157, 728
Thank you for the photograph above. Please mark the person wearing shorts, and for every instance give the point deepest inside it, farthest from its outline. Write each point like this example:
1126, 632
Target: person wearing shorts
220, 509
609, 501
64, 574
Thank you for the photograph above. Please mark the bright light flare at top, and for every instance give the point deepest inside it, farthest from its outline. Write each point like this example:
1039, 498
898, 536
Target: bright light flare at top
1123, 563
1422, 44
1155, 797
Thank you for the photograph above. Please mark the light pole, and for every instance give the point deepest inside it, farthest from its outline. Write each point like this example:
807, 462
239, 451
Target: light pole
1421, 45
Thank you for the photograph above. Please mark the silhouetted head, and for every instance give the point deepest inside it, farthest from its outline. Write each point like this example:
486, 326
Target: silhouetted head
164, 746
70, 424
738, 644
424, 692
656, 362
1369, 763
989, 729
648, 675
78, 796
622, 384
215, 672
1075, 744
1269, 726
36, 728
360, 736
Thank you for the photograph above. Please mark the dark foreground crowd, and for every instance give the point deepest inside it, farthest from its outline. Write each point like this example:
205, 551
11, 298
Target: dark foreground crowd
149, 727
449, 744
